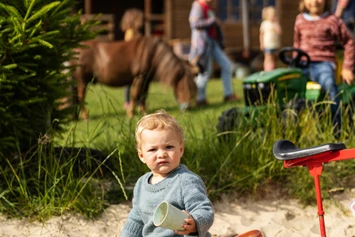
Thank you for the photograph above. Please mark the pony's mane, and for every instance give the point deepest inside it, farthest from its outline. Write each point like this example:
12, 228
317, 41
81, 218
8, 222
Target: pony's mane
157, 56
169, 67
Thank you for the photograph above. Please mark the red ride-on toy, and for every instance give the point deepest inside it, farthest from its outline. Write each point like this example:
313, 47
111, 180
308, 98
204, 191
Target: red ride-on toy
313, 158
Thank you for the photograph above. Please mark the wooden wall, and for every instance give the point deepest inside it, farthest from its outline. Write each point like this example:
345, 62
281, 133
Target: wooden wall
233, 31
287, 11
176, 23
179, 27
113, 7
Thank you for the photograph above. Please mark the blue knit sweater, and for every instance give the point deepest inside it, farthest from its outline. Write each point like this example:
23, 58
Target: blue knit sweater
183, 189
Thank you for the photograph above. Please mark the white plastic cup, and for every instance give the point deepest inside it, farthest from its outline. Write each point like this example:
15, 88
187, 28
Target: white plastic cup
169, 217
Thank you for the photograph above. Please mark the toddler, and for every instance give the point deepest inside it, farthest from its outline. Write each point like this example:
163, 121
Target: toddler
160, 146
270, 32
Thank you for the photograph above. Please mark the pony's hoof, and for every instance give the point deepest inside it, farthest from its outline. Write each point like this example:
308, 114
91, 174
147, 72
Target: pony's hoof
129, 114
184, 106
85, 117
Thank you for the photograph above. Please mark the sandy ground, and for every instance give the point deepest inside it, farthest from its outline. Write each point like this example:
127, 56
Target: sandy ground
275, 218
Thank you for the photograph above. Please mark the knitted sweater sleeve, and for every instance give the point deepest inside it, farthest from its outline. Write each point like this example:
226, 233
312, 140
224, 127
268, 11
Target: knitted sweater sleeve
197, 19
347, 41
296, 33
197, 203
134, 224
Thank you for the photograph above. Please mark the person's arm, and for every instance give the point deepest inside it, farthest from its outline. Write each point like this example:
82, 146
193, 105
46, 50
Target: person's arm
342, 4
197, 205
296, 35
197, 19
347, 41
261, 36
278, 28
134, 224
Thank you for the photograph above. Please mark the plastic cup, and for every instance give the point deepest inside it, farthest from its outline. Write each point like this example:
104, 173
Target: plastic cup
169, 217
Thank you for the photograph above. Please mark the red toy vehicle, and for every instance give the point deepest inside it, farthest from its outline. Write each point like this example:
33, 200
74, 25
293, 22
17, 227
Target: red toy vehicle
313, 158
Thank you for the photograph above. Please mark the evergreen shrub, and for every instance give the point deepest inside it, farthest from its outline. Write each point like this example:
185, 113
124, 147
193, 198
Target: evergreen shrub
36, 39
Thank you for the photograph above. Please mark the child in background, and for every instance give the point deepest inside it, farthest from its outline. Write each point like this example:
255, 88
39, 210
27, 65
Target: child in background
131, 24
270, 32
160, 145
316, 32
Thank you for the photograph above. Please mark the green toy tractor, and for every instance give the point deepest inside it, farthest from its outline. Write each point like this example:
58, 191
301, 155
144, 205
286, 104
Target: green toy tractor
288, 86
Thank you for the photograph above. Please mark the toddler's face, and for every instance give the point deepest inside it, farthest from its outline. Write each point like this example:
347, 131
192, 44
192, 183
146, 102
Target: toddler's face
161, 150
315, 7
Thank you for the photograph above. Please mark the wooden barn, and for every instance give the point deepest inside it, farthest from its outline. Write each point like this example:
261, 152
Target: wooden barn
240, 19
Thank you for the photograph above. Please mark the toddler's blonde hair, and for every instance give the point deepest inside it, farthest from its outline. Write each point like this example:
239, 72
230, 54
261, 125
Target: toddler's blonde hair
158, 120
132, 19
266, 12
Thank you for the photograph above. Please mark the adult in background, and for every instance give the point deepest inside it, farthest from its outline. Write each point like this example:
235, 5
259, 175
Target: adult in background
206, 39
345, 9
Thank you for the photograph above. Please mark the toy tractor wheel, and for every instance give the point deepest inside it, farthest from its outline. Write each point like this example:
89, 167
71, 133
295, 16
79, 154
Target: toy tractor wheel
291, 114
227, 124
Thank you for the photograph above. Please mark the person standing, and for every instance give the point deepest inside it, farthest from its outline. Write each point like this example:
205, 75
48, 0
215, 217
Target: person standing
206, 40
270, 32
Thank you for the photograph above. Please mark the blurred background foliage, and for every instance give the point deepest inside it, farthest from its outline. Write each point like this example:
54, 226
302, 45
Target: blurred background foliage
36, 38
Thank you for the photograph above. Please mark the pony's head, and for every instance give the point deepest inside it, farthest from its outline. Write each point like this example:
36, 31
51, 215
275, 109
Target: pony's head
185, 89
177, 72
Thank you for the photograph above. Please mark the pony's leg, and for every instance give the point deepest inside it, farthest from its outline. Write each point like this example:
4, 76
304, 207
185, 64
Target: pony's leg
81, 98
142, 96
133, 98
138, 95
130, 108
78, 76
142, 109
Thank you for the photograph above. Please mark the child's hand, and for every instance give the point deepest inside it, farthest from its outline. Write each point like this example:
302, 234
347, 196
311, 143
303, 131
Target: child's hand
347, 76
189, 226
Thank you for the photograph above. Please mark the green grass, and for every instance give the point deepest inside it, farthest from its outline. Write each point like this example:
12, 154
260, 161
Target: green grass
48, 183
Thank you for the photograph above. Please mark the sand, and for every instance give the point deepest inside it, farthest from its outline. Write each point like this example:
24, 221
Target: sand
275, 217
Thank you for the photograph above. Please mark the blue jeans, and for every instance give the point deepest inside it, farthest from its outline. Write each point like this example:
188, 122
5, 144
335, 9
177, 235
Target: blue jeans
215, 53
323, 73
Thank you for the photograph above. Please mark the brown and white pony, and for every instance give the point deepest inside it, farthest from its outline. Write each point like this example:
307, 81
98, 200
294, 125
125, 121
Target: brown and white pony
136, 62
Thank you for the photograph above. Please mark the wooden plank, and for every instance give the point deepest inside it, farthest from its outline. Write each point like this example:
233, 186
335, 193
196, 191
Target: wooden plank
103, 17
155, 17
107, 37
107, 25
168, 19
147, 12
87, 6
